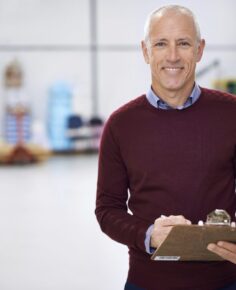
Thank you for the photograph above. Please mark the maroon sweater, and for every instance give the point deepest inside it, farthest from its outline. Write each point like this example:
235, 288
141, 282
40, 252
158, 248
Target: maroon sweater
171, 162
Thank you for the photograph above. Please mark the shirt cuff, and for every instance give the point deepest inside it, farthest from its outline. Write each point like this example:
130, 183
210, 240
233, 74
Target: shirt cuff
149, 249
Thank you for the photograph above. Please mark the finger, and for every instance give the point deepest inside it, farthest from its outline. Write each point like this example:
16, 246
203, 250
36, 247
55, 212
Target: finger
224, 253
228, 246
181, 219
171, 217
172, 220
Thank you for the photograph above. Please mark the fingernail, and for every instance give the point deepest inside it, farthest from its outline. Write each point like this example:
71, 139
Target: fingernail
210, 247
220, 244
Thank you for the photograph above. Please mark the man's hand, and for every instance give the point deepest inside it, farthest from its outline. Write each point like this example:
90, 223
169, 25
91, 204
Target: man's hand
162, 227
224, 249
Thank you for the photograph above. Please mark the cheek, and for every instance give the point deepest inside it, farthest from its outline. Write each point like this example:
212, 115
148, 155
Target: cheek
157, 57
191, 61
153, 63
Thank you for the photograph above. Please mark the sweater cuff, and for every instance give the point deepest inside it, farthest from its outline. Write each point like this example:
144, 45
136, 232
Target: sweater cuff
147, 242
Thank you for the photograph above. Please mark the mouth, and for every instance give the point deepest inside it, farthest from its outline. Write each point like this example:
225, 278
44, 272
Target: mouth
173, 69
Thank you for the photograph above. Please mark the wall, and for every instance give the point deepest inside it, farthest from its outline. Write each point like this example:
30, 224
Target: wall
52, 41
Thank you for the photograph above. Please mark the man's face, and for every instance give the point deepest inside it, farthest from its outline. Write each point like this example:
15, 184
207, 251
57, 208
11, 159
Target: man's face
172, 52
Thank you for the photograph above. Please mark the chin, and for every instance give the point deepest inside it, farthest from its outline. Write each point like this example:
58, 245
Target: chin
173, 88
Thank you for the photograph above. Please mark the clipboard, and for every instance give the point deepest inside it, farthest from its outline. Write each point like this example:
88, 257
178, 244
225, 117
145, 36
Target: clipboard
189, 243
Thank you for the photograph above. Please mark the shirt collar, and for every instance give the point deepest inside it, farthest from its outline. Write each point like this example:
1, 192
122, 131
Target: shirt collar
155, 101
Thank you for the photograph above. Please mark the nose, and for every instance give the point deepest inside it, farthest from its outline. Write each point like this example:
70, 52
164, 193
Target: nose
172, 53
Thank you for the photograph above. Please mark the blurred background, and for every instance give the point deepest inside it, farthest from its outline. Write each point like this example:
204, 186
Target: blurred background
65, 65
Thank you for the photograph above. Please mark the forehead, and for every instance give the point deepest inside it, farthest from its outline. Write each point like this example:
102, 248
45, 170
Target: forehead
172, 25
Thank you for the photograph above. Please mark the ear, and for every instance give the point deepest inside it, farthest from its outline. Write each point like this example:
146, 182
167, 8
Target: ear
200, 48
145, 52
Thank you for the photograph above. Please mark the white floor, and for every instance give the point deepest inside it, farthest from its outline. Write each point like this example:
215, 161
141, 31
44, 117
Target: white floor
49, 236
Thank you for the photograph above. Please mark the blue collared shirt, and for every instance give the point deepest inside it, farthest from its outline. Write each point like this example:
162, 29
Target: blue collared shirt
156, 102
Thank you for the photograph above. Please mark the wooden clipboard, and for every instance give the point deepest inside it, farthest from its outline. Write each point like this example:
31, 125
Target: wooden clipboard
189, 242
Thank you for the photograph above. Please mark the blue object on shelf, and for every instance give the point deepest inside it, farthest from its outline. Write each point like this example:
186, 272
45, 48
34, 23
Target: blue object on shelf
12, 133
59, 109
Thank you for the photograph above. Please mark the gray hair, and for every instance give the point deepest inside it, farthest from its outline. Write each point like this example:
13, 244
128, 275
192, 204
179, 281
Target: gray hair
164, 9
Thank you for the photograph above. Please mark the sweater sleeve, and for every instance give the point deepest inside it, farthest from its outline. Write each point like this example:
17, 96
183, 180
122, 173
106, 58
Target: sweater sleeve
112, 196
235, 164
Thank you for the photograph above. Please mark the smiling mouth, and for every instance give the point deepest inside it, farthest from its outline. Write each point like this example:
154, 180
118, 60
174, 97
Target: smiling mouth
173, 69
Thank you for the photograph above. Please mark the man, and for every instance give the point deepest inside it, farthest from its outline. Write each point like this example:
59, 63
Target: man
170, 158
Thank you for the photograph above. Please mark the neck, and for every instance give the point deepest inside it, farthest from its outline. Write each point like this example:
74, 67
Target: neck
173, 98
